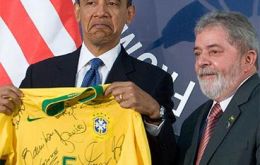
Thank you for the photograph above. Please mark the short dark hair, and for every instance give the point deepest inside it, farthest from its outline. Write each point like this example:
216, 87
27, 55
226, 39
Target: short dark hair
129, 2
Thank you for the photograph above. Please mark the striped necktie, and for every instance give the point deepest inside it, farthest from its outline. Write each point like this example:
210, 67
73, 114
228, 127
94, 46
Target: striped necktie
92, 76
212, 119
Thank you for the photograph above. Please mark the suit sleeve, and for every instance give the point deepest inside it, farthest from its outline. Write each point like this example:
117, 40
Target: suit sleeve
185, 138
258, 146
164, 145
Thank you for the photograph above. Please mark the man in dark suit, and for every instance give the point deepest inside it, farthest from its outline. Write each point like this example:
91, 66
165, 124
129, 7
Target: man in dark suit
134, 84
226, 129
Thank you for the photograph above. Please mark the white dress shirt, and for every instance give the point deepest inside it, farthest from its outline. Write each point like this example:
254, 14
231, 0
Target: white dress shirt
86, 56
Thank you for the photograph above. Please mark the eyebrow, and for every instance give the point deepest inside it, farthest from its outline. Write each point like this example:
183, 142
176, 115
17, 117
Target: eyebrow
208, 46
116, 0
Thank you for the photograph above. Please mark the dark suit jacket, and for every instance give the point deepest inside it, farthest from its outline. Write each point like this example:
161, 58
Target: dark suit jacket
236, 137
61, 72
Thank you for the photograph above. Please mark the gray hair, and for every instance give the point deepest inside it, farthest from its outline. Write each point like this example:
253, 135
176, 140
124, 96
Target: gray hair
241, 32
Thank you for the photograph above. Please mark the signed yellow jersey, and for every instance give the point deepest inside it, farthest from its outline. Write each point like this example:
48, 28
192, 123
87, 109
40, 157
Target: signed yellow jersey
72, 126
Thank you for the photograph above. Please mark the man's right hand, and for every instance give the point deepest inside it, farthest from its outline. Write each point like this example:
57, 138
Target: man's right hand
10, 98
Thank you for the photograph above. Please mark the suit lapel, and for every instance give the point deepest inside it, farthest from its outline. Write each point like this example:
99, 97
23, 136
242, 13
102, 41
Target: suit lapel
229, 117
121, 68
66, 69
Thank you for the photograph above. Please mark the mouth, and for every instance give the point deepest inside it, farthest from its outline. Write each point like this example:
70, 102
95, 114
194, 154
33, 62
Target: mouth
207, 74
100, 26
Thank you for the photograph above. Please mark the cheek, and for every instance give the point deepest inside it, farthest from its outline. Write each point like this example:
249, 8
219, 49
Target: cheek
196, 66
223, 66
85, 19
120, 20
118, 25
85, 15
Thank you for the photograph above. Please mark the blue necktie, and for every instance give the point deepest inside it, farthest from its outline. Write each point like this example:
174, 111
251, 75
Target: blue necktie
92, 76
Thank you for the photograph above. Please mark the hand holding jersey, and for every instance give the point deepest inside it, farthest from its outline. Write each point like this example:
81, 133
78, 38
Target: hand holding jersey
129, 95
9, 99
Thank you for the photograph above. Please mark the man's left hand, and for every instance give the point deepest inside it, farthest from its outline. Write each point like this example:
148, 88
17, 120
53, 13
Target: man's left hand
129, 95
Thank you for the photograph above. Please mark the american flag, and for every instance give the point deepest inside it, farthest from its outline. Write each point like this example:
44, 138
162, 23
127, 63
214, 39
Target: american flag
33, 30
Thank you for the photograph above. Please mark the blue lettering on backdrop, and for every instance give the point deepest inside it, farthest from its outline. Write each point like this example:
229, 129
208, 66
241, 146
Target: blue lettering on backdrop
162, 34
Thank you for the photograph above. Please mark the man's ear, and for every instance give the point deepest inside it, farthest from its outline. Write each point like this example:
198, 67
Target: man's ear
77, 11
130, 13
250, 60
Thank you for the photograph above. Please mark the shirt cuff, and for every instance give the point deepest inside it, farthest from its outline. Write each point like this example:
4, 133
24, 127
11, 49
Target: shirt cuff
153, 129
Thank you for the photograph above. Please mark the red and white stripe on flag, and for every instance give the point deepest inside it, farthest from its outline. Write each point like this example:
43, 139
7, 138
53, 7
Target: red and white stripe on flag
33, 30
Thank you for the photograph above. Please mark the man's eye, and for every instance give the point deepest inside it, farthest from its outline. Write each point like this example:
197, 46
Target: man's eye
196, 53
90, 3
214, 52
113, 3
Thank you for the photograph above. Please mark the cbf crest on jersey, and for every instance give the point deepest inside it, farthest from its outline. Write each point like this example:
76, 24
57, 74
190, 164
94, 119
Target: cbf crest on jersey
100, 123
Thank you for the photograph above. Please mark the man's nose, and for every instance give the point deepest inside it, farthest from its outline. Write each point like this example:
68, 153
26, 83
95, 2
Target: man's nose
101, 10
202, 60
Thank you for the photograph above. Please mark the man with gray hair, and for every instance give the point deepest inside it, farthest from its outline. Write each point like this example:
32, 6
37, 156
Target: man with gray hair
225, 129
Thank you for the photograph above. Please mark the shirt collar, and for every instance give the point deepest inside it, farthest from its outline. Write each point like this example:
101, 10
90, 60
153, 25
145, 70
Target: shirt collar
108, 57
223, 104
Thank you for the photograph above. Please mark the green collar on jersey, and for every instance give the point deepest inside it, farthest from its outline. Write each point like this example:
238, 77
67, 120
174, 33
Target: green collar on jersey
56, 106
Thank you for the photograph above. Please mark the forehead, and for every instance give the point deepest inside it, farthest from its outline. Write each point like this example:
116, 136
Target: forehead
127, 2
211, 35
107, 0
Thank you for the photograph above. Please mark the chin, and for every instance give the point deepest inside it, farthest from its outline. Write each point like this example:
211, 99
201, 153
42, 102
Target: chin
211, 88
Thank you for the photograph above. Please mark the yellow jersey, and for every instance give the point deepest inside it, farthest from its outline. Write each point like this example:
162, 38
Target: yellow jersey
72, 126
